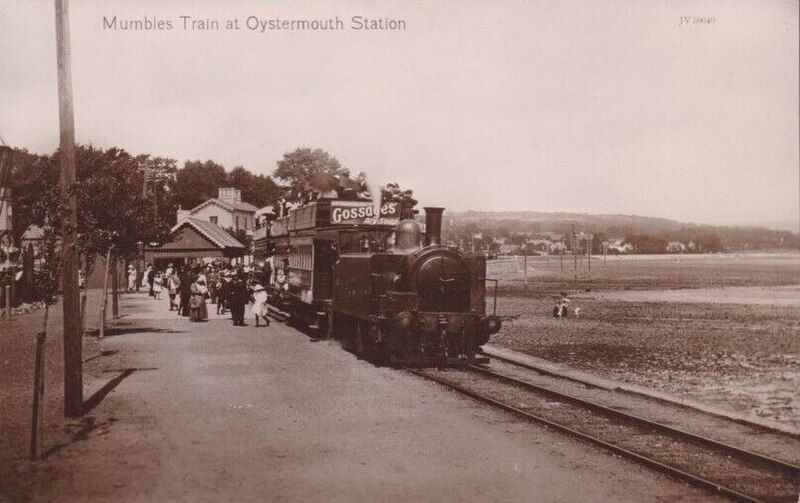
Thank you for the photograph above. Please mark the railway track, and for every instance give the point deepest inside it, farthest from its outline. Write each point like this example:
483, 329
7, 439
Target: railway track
716, 466
757, 427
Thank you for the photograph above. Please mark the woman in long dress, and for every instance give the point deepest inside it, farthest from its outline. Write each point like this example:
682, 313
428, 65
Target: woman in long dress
197, 302
202, 287
260, 307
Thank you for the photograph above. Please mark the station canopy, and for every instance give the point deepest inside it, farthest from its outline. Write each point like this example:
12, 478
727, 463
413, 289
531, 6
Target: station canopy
193, 238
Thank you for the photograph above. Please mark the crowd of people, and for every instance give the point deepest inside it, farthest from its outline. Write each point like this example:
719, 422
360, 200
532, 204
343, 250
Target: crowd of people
191, 288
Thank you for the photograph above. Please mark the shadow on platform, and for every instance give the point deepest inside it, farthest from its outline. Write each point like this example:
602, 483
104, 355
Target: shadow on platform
89, 423
114, 331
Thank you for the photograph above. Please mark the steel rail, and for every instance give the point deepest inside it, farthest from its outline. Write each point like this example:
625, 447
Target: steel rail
701, 482
577, 380
745, 454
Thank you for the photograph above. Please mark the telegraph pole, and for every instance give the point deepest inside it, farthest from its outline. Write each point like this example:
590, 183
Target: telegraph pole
574, 248
73, 351
525, 258
589, 254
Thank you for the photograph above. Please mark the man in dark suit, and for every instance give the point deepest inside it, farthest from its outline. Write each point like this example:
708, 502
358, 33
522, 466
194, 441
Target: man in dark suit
185, 290
151, 278
238, 296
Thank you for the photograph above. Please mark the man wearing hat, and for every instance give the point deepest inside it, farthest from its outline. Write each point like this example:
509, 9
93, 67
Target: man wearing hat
185, 291
238, 296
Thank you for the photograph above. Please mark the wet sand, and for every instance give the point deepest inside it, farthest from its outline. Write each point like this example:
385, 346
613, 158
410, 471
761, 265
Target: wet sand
788, 296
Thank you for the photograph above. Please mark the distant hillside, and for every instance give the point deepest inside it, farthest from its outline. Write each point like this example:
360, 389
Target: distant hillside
780, 225
561, 221
731, 238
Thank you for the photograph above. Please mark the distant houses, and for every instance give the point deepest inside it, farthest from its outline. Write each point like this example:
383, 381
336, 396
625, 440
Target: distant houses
620, 246
681, 247
552, 243
557, 244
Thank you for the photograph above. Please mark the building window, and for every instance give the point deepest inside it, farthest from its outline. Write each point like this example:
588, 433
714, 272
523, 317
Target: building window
213, 220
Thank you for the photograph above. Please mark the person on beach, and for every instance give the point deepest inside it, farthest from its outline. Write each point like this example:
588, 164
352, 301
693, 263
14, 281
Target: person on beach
562, 306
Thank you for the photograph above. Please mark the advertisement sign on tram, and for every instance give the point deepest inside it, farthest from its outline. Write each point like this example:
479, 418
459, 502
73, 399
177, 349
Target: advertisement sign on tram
346, 212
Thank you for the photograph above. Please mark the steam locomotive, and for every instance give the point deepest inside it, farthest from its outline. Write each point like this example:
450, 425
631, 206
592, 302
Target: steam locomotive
366, 276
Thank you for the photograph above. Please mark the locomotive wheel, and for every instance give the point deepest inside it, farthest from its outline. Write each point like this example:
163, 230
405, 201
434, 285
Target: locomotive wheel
396, 351
346, 328
400, 339
377, 350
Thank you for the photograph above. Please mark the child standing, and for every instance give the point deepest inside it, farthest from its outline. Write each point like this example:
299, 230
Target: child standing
260, 306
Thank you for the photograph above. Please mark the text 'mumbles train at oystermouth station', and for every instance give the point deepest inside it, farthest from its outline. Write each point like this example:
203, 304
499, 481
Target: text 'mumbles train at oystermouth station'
253, 24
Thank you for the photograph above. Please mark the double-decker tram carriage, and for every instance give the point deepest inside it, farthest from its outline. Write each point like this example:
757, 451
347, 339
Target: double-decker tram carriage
367, 278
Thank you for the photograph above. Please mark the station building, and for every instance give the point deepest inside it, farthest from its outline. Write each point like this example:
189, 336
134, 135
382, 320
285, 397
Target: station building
227, 210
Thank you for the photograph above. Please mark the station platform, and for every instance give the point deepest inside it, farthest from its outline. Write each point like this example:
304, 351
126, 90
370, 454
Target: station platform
211, 412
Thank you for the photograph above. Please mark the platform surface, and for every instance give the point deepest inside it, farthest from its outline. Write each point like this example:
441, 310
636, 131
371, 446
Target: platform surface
212, 412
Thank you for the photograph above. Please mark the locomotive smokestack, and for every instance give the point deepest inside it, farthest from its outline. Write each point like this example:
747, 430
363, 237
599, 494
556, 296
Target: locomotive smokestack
433, 225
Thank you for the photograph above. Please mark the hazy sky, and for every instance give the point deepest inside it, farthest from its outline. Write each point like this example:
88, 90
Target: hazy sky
610, 106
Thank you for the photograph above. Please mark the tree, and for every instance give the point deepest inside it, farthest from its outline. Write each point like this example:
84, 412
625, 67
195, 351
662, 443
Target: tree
644, 243
302, 168
517, 239
598, 242
258, 190
708, 242
197, 182
29, 177
114, 210
111, 212
162, 191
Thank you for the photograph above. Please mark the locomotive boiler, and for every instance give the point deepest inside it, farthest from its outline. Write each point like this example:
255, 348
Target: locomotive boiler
372, 281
